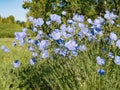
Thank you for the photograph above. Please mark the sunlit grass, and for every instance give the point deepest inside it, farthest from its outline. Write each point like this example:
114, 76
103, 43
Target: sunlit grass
16, 52
79, 73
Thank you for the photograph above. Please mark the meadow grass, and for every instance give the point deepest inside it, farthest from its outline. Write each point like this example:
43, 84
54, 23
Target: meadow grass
58, 73
7, 59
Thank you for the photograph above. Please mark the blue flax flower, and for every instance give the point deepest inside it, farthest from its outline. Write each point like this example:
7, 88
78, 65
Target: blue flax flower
38, 22
71, 45
57, 50
118, 43
43, 44
56, 34
70, 21
34, 54
82, 48
16, 64
45, 54
101, 71
113, 36
104, 49
56, 18
5, 49
14, 44
110, 55
117, 60
100, 61
60, 42
31, 48
75, 53
63, 12
33, 61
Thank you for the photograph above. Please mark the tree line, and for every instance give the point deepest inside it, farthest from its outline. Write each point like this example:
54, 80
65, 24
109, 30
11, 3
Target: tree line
11, 20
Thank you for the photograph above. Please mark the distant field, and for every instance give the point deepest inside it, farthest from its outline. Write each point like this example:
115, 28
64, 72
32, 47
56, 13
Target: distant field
7, 29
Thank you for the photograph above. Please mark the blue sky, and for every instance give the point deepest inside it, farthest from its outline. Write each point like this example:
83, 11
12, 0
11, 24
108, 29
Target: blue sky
13, 7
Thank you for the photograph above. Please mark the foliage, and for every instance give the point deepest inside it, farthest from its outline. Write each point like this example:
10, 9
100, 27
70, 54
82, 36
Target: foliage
9, 19
90, 8
43, 8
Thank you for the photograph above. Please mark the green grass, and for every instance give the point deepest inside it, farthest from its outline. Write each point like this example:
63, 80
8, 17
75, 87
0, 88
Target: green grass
8, 29
18, 52
7, 59
79, 73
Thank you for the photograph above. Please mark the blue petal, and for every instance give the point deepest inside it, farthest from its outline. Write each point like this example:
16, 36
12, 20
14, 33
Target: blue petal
101, 71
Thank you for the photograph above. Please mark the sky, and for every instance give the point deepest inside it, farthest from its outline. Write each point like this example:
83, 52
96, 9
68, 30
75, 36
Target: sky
13, 7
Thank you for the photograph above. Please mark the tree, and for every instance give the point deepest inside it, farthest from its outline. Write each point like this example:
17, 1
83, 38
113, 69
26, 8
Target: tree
0, 19
89, 8
11, 19
43, 8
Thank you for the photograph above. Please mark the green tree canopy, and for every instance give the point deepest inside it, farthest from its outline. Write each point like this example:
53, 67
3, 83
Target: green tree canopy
90, 8
11, 19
